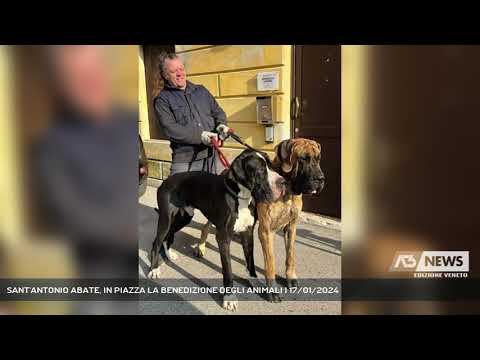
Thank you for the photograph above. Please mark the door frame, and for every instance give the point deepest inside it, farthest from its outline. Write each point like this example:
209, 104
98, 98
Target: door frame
296, 84
149, 52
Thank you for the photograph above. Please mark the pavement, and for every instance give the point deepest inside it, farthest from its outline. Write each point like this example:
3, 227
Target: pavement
318, 249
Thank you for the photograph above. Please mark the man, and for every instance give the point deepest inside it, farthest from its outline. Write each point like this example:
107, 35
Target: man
86, 164
189, 115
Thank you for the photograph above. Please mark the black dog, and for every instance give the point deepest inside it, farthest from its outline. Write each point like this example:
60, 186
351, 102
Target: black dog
228, 201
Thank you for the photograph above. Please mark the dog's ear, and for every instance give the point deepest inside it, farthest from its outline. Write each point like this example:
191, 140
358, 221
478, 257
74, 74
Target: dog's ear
283, 150
237, 167
245, 172
250, 169
286, 155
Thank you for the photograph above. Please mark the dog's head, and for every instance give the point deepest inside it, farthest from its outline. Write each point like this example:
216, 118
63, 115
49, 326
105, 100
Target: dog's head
253, 170
299, 161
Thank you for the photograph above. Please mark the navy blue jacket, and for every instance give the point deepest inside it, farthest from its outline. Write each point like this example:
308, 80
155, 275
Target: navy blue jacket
88, 178
184, 115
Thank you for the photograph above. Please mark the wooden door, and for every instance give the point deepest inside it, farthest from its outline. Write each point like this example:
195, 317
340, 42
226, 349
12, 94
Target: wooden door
317, 116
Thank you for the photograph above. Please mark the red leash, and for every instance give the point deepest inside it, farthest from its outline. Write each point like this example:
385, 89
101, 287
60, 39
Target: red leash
221, 155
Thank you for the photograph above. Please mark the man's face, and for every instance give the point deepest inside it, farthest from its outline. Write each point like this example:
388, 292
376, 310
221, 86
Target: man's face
175, 73
83, 76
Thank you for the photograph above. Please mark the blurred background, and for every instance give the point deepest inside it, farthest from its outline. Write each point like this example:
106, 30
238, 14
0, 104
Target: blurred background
410, 171
68, 152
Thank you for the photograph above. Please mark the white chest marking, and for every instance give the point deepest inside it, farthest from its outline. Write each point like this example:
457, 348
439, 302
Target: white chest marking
245, 218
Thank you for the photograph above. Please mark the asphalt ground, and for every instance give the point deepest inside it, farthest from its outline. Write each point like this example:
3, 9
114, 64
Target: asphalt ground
318, 251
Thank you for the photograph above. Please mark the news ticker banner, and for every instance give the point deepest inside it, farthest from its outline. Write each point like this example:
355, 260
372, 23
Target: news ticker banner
162, 290
410, 289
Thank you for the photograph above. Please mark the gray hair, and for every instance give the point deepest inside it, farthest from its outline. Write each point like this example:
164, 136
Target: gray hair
164, 56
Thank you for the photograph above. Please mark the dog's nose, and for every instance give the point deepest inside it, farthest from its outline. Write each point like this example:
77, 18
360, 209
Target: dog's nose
321, 181
321, 176
321, 184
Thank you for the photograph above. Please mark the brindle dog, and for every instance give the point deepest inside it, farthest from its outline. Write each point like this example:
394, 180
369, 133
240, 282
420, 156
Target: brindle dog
298, 161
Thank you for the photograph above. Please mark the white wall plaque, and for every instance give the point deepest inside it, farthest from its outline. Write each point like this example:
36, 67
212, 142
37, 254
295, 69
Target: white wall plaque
268, 81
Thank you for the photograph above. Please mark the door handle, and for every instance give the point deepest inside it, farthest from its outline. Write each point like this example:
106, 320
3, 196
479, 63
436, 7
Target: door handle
296, 107
296, 114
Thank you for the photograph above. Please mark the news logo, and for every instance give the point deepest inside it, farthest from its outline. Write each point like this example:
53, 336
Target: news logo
438, 264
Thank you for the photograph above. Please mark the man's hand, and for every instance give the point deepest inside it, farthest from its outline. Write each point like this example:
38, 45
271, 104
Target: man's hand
207, 137
223, 131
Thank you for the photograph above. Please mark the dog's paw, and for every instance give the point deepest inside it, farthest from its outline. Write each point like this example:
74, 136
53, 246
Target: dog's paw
200, 251
230, 303
154, 273
252, 277
172, 255
273, 298
189, 210
292, 283
273, 293
169, 253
